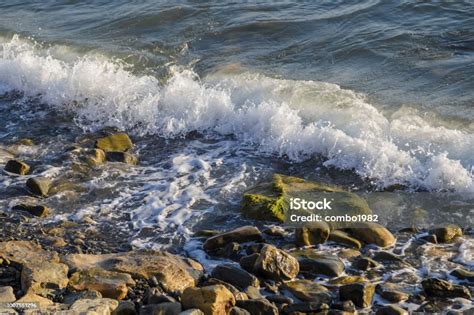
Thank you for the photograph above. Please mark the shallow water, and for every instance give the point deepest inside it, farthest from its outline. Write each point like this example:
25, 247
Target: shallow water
217, 97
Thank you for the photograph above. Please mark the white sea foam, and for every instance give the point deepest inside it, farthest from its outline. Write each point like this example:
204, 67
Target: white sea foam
297, 119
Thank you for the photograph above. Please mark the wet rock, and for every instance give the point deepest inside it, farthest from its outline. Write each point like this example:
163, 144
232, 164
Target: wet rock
248, 262
109, 283
34, 298
26, 252
161, 309
7, 295
276, 264
431, 238
373, 233
442, 288
319, 264
39, 186
44, 279
360, 294
231, 251
173, 273
349, 253
125, 308
94, 157
347, 306
258, 307
230, 287
5, 156
364, 263
347, 280
122, 157
305, 308
36, 210
343, 238
463, 274
193, 311
316, 233
101, 306
279, 299
255, 248
26, 141
391, 310
235, 276
275, 231
390, 259
394, 296
17, 167
239, 235
117, 142
206, 233
212, 300
252, 293
270, 200
446, 233
238, 311
307, 290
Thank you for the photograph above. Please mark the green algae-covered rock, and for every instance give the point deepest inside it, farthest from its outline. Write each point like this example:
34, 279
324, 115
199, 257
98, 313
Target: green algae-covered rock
271, 200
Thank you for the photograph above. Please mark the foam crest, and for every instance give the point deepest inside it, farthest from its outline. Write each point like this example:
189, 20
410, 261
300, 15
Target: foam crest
296, 119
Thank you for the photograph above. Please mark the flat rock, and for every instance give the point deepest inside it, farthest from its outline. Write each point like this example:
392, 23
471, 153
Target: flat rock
341, 237
101, 306
109, 283
172, 272
7, 295
360, 294
239, 235
235, 276
446, 233
373, 233
36, 210
34, 298
319, 264
309, 291
39, 186
214, 299
347, 280
258, 307
445, 289
44, 278
394, 296
275, 264
26, 252
314, 234
17, 167
117, 142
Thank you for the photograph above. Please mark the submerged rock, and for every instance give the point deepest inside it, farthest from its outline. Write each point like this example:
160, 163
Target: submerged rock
17, 167
270, 200
122, 157
360, 294
373, 233
319, 264
36, 210
117, 142
463, 274
446, 233
212, 300
240, 235
442, 288
273, 263
314, 234
39, 186
307, 290
235, 276
109, 283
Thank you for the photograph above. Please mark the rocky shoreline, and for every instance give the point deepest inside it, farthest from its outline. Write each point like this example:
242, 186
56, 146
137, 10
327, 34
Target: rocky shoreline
79, 268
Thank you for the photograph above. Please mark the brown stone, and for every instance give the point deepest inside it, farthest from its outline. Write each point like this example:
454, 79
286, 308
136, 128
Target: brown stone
235, 276
26, 252
239, 235
446, 233
122, 157
39, 186
17, 167
275, 264
307, 290
117, 142
315, 234
36, 210
373, 233
343, 238
44, 279
360, 294
212, 300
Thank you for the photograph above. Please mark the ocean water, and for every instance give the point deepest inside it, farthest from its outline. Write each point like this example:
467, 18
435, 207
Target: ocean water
219, 96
